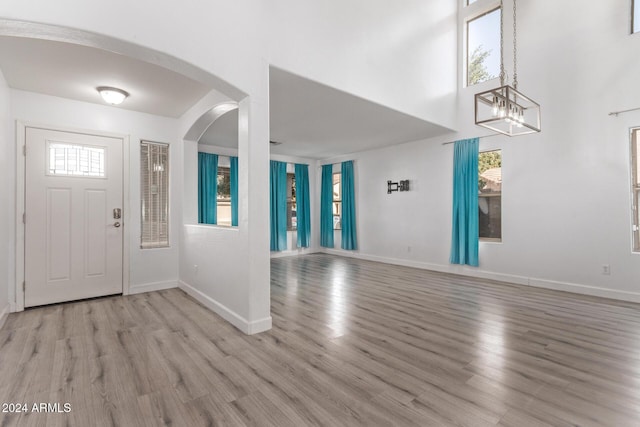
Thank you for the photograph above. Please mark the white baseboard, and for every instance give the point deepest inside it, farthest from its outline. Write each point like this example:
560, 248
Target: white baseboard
230, 316
500, 277
155, 286
585, 290
4, 313
260, 325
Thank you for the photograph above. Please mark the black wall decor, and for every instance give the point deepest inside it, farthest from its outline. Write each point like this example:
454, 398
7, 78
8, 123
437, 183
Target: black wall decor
403, 185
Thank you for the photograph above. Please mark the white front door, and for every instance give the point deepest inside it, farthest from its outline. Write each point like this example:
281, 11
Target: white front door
73, 236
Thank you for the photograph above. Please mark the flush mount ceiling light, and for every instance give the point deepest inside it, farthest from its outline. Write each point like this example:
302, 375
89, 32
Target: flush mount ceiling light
112, 95
504, 109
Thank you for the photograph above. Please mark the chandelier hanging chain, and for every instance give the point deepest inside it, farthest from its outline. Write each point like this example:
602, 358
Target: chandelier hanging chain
503, 75
515, 49
504, 109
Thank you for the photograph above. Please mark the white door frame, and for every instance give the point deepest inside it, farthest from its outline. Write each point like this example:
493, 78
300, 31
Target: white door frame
21, 128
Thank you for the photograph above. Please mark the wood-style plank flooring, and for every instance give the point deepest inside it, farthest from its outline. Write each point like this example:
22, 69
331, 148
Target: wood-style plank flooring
353, 343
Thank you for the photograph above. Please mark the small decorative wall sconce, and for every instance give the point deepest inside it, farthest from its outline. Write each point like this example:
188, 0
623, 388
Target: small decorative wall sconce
397, 186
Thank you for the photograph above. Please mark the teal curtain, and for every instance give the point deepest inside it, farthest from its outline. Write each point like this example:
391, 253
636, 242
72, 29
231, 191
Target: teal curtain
303, 210
349, 238
207, 188
234, 191
278, 203
326, 207
464, 234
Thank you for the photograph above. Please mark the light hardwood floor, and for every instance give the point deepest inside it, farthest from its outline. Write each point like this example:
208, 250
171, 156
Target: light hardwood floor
353, 343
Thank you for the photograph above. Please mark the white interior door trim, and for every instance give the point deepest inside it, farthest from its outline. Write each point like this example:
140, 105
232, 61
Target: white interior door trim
17, 300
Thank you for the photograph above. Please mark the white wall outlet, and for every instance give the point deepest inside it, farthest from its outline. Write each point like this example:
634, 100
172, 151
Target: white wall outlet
606, 269
195, 268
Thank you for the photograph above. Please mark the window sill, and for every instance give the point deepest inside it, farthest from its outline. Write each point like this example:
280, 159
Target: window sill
490, 240
213, 226
142, 247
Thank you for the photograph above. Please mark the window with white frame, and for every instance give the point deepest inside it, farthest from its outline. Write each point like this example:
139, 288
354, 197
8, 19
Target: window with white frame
75, 160
337, 201
223, 198
154, 194
482, 50
490, 195
635, 186
292, 211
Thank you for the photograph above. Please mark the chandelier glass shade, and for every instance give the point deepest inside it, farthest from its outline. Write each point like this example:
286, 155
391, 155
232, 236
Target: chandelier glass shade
507, 111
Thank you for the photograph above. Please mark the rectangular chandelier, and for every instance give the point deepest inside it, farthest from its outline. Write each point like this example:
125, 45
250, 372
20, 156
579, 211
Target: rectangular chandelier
507, 111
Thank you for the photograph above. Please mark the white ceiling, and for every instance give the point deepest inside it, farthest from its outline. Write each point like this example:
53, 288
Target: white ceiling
308, 119
316, 121
223, 132
72, 71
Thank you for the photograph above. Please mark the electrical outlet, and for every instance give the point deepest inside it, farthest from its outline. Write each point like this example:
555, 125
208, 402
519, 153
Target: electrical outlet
195, 268
606, 269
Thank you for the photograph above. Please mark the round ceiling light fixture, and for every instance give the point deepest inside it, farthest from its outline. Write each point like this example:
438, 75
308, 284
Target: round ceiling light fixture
112, 95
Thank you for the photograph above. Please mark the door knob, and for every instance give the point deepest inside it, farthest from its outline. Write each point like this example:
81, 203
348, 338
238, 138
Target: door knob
116, 224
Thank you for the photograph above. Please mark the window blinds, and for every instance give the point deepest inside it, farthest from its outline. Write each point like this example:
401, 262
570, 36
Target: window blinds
154, 194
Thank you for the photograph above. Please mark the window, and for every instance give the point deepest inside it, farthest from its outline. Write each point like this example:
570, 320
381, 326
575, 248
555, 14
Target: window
490, 195
483, 47
292, 217
223, 198
337, 201
635, 186
154, 194
635, 17
75, 160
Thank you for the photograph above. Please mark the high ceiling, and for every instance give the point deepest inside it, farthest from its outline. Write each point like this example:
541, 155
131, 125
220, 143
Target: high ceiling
313, 120
308, 119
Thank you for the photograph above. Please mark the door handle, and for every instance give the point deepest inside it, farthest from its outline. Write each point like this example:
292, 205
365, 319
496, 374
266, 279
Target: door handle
116, 224
117, 213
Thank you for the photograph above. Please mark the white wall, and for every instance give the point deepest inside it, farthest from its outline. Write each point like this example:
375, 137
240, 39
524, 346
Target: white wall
213, 259
7, 155
566, 191
227, 268
236, 42
292, 237
210, 265
399, 55
225, 40
403, 57
149, 268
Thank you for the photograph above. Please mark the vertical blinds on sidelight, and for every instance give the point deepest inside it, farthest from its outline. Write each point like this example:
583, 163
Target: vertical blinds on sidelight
154, 194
